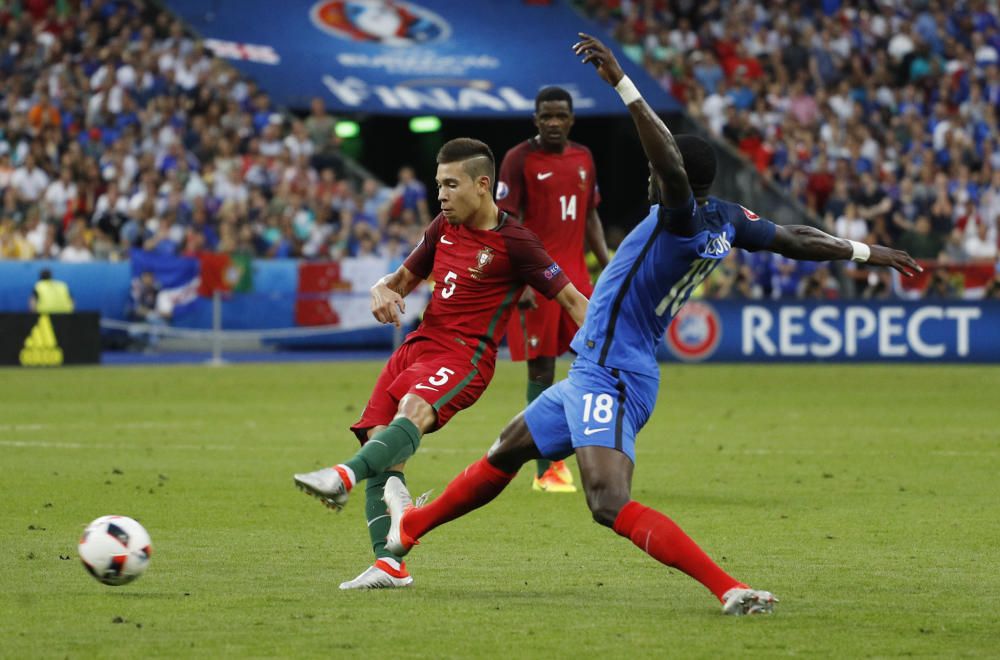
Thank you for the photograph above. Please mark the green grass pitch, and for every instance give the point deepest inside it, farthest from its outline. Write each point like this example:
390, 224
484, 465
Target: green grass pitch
865, 497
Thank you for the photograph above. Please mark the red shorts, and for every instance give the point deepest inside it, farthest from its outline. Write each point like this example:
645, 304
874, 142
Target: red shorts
546, 331
444, 379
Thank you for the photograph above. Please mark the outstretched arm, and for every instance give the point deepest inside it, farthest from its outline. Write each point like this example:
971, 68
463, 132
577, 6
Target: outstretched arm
657, 142
574, 302
388, 293
808, 243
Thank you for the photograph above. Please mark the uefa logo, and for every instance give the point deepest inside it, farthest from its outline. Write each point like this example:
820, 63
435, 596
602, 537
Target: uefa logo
694, 333
379, 22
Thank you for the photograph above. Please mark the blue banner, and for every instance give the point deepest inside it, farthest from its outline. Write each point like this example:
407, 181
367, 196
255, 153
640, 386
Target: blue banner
171, 271
841, 331
96, 287
446, 57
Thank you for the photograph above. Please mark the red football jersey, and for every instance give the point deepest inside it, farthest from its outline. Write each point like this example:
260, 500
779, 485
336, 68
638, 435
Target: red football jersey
479, 277
552, 194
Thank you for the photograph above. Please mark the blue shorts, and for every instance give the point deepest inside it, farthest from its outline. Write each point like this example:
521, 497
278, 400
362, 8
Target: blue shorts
594, 407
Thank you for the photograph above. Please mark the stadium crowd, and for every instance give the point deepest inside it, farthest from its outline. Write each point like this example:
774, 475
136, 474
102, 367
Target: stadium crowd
117, 130
878, 115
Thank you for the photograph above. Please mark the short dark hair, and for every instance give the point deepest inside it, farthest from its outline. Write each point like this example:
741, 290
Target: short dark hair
553, 94
699, 162
476, 156
46, 274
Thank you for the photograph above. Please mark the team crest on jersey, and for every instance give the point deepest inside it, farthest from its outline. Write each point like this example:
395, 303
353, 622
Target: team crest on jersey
583, 178
694, 333
483, 259
751, 216
502, 190
377, 21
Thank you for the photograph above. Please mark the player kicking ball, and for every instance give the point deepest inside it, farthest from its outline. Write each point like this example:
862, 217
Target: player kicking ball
611, 389
481, 262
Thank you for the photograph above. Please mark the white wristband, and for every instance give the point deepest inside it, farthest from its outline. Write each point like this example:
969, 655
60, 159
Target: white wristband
627, 90
861, 252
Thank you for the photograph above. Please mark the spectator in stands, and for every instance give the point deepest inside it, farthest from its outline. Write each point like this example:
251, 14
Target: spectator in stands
320, 127
77, 250
298, 142
980, 241
921, 241
29, 182
143, 309
13, 243
41, 236
110, 213
411, 195
706, 69
941, 285
850, 224
165, 236
43, 114
59, 199
820, 285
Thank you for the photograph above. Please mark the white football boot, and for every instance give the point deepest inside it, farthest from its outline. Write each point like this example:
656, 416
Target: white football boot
325, 485
380, 576
739, 601
397, 500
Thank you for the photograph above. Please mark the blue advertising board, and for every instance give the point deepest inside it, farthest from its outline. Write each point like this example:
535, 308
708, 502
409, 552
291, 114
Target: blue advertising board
841, 331
714, 331
96, 287
446, 57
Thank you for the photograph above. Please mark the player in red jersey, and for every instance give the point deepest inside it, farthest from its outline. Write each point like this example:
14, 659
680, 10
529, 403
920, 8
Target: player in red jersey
480, 259
550, 183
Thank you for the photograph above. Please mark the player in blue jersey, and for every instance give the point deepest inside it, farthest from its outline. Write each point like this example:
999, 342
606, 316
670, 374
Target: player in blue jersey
597, 411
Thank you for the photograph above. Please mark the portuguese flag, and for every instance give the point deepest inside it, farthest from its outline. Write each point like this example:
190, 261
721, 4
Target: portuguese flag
226, 273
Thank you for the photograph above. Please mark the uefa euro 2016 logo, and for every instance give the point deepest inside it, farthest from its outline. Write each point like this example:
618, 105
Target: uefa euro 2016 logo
694, 333
379, 22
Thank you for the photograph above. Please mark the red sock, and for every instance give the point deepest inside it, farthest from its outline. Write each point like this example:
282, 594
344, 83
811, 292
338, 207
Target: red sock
661, 538
477, 485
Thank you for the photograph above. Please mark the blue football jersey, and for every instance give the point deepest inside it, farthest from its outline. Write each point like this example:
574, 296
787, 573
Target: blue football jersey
652, 274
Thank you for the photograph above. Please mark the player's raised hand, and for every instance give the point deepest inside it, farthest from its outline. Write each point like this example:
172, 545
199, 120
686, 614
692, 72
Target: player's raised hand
901, 261
387, 305
596, 53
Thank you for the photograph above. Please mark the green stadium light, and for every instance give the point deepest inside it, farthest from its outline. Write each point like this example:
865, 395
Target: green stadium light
428, 124
347, 129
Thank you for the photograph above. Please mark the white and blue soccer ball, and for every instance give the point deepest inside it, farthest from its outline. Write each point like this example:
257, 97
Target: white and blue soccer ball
115, 550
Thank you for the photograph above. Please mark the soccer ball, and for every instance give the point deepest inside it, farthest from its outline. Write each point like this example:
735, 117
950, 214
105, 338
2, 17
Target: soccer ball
115, 550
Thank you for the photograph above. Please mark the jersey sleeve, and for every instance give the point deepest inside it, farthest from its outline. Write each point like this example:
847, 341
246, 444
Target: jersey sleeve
510, 185
532, 264
752, 231
421, 260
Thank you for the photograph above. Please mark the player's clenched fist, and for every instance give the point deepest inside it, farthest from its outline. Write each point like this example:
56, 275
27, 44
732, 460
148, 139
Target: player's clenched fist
387, 305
